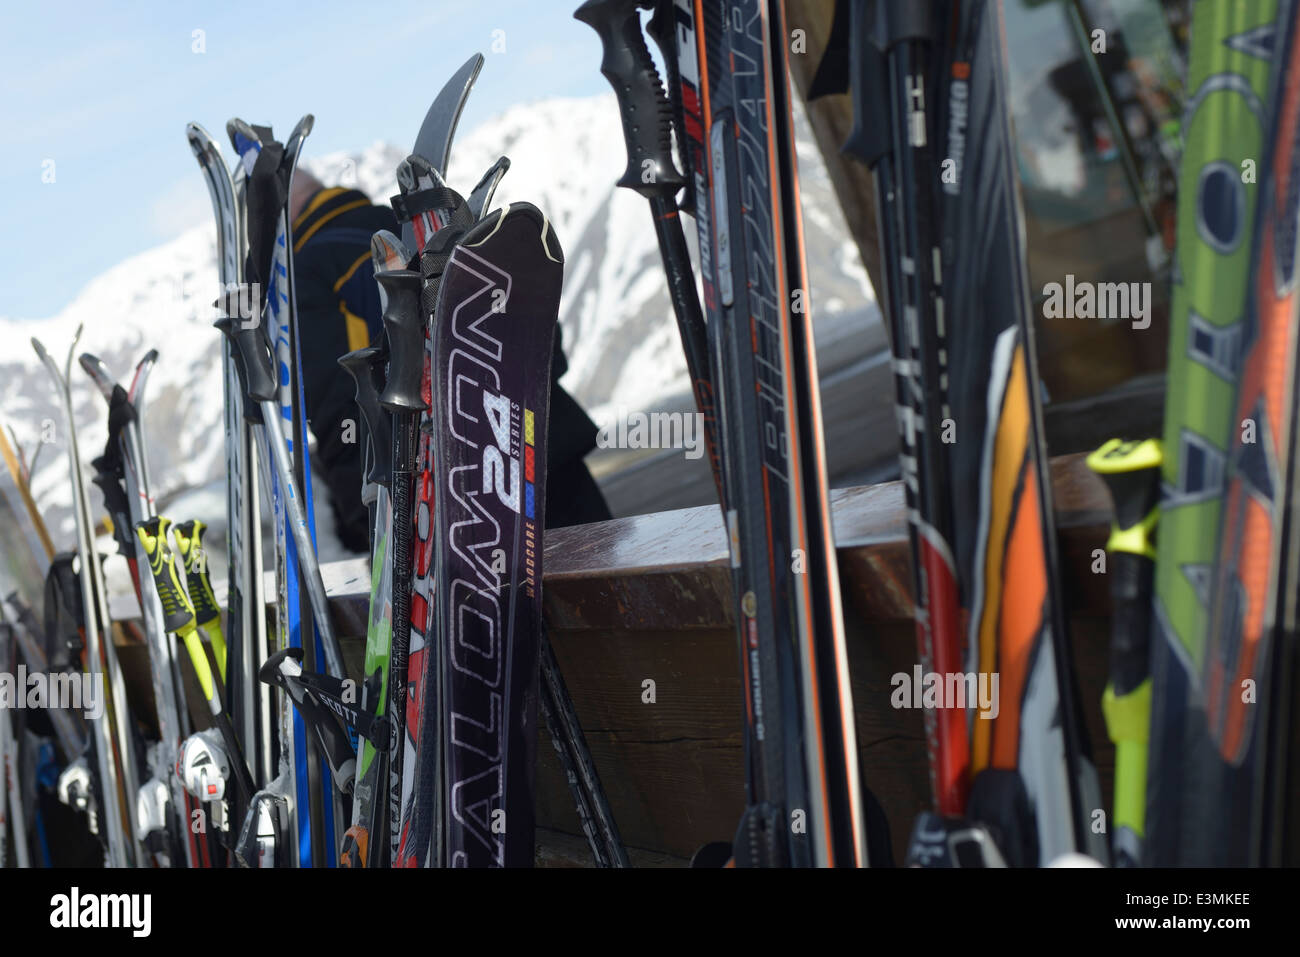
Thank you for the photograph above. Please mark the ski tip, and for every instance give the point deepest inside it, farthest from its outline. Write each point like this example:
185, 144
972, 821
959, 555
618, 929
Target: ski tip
95, 368
242, 136
388, 252
302, 128
199, 138
474, 64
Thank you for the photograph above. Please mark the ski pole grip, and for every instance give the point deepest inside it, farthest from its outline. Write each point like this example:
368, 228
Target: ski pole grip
901, 20
1131, 471
189, 542
178, 613
366, 368
405, 329
869, 136
253, 360
643, 106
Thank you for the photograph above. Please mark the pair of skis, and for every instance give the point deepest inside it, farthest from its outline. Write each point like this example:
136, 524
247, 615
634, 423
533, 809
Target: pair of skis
1223, 739
932, 121
753, 368
455, 406
26, 541
1200, 704
116, 775
314, 773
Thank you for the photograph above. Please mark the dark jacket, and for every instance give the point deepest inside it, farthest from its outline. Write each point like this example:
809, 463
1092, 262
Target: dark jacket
339, 311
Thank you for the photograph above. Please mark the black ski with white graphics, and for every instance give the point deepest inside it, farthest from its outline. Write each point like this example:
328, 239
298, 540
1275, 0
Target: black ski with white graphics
495, 319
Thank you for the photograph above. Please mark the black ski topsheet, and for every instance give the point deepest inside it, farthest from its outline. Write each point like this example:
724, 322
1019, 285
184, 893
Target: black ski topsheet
492, 339
800, 749
1006, 548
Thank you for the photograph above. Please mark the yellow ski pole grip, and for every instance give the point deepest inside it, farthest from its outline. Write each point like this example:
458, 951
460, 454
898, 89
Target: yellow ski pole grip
207, 613
178, 613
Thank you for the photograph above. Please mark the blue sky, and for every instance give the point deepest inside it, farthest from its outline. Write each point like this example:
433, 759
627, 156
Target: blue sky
105, 91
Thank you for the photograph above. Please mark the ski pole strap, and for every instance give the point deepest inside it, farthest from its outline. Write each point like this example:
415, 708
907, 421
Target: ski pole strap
178, 613
268, 188
340, 696
643, 106
108, 478
121, 413
436, 254
284, 670
407, 206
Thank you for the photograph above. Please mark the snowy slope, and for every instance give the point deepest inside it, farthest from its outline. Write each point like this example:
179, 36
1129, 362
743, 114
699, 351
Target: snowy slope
617, 323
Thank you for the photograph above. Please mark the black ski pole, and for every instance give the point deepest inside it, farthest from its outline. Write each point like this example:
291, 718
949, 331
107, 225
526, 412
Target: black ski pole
575, 757
365, 843
651, 171
402, 397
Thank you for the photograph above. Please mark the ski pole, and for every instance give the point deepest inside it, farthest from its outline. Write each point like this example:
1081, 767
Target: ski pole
402, 398
179, 619
371, 798
1131, 471
259, 382
207, 613
575, 757
651, 171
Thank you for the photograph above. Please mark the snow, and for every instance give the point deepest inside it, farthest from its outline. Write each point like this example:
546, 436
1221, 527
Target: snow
619, 331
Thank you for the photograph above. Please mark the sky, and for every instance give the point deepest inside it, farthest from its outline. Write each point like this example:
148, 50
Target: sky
94, 98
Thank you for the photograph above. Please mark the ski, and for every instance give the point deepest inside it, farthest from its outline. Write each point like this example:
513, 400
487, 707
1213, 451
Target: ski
893, 104
1253, 591
727, 64
246, 625
114, 754
424, 207
496, 310
263, 347
12, 816
1232, 49
124, 480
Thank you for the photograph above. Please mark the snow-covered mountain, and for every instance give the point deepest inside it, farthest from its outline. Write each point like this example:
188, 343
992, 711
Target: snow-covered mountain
617, 323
